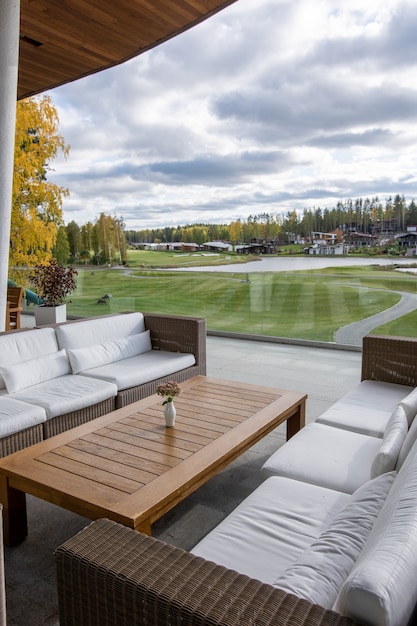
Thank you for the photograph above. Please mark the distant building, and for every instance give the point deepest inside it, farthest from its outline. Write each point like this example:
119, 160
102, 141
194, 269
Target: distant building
360, 240
409, 240
218, 246
327, 249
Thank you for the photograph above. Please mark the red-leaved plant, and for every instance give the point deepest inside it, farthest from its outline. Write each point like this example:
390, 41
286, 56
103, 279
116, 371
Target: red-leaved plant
53, 282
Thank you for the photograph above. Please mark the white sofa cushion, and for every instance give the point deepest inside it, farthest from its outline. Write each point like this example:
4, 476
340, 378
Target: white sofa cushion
378, 591
109, 352
142, 368
267, 532
66, 394
323, 455
365, 409
26, 344
34, 371
394, 437
409, 404
320, 571
409, 441
16, 416
99, 330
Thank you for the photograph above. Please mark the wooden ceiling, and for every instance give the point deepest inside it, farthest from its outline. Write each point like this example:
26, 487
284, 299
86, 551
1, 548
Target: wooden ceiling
62, 40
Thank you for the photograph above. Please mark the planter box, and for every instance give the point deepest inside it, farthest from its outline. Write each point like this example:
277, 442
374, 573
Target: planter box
45, 315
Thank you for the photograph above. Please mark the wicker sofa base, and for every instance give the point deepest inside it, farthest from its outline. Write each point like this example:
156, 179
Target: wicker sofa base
110, 575
19, 441
61, 423
127, 396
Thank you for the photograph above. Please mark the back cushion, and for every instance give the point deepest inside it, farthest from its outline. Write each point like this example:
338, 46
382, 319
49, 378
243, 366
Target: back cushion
99, 330
83, 359
24, 345
408, 444
381, 589
394, 437
34, 371
409, 404
320, 571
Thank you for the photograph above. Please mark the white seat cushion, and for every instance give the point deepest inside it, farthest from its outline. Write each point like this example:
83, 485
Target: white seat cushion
142, 368
322, 455
16, 416
366, 409
267, 532
66, 394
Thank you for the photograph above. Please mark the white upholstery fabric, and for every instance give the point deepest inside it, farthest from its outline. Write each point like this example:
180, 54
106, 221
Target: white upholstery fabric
142, 368
24, 345
109, 352
34, 371
67, 393
322, 455
380, 589
16, 416
99, 330
320, 571
409, 441
366, 409
409, 404
267, 532
394, 437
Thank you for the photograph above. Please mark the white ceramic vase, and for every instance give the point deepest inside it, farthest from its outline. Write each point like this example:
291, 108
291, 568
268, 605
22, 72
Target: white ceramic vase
169, 413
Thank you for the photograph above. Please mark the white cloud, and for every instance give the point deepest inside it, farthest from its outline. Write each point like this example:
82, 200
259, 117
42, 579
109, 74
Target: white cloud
267, 106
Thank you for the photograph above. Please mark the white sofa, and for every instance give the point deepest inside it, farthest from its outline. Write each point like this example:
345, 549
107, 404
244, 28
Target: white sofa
55, 378
293, 552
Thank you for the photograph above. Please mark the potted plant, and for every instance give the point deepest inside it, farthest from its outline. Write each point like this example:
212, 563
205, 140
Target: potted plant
52, 283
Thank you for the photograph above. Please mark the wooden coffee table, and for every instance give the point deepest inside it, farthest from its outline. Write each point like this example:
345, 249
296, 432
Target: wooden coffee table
127, 466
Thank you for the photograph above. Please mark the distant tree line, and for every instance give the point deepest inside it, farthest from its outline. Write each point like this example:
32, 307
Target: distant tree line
100, 243
360, 215
106, 240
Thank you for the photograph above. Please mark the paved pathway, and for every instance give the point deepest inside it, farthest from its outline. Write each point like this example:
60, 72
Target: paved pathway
352, 333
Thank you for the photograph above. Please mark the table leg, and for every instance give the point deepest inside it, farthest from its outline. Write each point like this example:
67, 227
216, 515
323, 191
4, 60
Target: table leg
296, 421
15, 527
145, 528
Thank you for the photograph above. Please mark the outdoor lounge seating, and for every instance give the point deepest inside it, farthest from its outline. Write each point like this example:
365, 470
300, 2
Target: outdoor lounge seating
55, 378
13, 307
292, 553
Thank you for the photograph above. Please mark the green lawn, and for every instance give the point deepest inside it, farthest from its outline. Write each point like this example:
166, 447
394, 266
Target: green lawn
170, 259
308, 305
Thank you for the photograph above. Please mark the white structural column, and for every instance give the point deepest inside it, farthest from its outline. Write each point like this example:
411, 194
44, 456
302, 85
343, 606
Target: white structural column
9, 61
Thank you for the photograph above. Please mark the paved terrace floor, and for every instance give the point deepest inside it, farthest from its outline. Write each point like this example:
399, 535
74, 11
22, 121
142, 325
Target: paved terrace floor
324, 374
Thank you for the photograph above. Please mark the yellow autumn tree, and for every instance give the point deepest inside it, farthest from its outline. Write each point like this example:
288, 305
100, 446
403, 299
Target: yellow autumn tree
36, 202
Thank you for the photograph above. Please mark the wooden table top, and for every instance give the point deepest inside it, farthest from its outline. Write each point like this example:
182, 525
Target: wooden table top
129, 467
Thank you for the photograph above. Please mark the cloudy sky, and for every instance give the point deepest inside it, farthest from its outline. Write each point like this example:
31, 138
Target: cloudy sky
269, 106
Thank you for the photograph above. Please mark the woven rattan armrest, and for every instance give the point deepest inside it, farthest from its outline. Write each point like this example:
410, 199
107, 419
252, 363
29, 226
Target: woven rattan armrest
179, 334
110, 575
390, 359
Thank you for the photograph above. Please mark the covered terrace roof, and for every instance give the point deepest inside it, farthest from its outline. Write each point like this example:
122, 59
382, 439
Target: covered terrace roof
63, 40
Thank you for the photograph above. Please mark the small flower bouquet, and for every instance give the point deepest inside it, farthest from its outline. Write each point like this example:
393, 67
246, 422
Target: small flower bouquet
168, 390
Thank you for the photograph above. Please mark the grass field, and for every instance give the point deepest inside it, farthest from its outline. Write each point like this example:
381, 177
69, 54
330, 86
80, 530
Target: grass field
170, 259
307, 305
